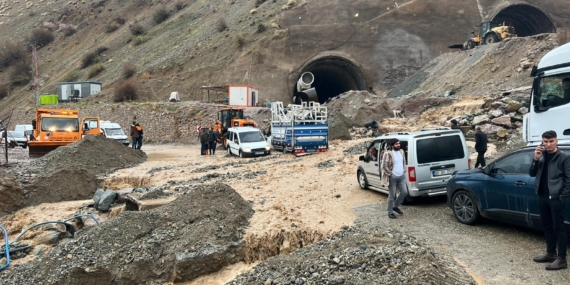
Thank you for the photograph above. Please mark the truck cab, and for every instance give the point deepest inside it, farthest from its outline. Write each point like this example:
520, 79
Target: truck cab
550, 97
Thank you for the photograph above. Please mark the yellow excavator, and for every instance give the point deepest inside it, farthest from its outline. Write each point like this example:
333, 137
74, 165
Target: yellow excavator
489, 32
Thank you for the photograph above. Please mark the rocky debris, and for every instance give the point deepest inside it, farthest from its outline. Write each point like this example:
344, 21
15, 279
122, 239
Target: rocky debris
456, 74
358, 133
339, 126
360, 148
61, 185
197, 234
12, 196
355, 256
96, 154
360, 107
325, 164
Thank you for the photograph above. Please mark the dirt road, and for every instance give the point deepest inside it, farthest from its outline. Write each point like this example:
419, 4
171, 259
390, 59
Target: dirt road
308, 198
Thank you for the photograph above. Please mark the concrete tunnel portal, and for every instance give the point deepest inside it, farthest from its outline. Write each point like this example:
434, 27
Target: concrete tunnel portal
527, 20
334, 76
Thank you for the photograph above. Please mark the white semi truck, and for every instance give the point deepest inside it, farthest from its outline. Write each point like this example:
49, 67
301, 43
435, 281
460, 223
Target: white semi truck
550, 98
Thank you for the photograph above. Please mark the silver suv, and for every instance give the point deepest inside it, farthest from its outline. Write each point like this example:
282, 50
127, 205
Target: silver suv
432, 155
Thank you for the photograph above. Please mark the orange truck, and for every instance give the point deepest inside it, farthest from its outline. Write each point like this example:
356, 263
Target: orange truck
54, 128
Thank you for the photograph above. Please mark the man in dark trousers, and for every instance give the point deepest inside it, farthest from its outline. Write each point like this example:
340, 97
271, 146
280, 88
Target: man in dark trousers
480, 146
212, 141
551, 167
134, 135
204, 141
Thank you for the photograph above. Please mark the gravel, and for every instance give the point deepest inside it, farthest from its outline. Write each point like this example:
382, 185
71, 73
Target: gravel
358, 256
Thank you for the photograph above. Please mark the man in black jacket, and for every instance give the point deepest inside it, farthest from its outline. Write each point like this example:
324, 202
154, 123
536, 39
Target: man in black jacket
551, 167
480, 146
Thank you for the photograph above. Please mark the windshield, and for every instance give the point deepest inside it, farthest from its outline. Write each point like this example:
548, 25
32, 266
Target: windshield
553, 91
236, 114
15, 135
114, 132
249, 137
60, 124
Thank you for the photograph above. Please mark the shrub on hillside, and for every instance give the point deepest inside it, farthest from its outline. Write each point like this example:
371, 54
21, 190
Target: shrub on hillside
41, 37
71, 76
95, 70
10, 53
126, 91
20, 74
136, 29
111, 28
67, 29
221, 25
120, 19
129, 70
240, 40
160, 15
179, 5
4, 91
139, 40
92, 57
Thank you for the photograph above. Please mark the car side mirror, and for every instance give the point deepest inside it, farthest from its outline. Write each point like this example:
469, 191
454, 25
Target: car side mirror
361, 158
487, 169
85, 127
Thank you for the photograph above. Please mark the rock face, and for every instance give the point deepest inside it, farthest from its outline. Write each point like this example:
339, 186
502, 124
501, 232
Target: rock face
197, 234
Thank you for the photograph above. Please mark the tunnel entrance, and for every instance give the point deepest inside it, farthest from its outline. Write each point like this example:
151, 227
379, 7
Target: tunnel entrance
333, 76
527, 20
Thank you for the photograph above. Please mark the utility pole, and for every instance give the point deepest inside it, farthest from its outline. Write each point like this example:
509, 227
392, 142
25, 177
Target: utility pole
36, 79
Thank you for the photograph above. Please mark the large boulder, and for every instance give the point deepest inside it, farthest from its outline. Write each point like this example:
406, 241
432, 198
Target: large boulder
339, 125
503, 121
512, 106
480, 119
491, 129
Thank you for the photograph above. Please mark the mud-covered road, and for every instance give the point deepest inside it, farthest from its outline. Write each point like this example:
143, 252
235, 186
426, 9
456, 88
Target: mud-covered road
492, 253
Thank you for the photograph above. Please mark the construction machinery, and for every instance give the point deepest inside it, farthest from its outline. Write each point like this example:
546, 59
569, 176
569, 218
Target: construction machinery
54, 128
489, 32
230, 118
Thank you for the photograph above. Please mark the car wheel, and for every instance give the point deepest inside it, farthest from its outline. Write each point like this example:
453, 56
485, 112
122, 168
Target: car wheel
25, 145
464, 208
240, 154
229, 151
362, 180
284, 149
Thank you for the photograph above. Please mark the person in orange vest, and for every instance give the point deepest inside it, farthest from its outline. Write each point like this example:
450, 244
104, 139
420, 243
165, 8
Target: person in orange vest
140, 131
134, 135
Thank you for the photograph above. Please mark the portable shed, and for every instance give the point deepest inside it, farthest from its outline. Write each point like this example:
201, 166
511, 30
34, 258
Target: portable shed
244, 96
67, 91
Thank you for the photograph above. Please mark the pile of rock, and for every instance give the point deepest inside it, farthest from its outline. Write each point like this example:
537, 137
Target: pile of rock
499, 118
354, 256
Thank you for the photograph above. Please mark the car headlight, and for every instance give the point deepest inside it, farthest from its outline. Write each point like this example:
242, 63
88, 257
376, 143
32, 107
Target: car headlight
267, 147
247, 149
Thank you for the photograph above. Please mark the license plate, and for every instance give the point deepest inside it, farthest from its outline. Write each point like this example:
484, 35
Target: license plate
443, 172
259, 152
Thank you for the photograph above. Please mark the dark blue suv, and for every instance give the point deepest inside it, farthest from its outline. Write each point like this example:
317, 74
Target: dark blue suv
502, 191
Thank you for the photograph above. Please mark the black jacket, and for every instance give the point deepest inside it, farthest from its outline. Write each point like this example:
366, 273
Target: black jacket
558, 175
213, 136
204, 137
480, 141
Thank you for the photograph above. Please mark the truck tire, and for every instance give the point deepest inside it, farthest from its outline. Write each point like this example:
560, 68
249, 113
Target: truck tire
470, 44
491, 38
284, 149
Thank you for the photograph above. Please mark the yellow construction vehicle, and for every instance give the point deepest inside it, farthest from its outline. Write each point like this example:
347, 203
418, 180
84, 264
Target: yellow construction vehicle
230, 118
489, 32
55, 128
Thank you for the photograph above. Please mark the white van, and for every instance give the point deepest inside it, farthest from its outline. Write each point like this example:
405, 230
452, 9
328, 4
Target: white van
114, 131
247, 141
26, 130
432, 156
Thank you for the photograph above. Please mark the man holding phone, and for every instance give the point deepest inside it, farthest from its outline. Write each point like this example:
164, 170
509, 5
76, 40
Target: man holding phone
551, 167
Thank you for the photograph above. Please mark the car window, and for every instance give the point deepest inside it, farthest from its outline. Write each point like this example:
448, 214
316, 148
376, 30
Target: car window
373, 149
554, 91
518, 163
15, 135
439, 149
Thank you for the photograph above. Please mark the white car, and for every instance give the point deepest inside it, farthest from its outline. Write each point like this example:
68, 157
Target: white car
247, 141
114, 131
14, 139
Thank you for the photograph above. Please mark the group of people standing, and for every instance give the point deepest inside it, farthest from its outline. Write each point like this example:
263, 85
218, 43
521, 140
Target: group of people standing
136, 135
209, 138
